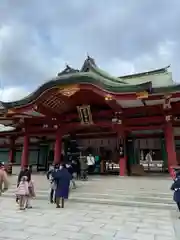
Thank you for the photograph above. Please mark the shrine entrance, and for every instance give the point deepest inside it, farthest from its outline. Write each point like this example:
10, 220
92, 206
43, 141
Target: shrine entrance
151, 154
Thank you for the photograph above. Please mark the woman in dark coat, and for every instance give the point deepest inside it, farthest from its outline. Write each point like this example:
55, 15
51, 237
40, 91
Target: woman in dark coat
62, 178
176, 188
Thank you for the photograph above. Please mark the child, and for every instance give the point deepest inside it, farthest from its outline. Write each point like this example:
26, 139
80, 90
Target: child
23, 193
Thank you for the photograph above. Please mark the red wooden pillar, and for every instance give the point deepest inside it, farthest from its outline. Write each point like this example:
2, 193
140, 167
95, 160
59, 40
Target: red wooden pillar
25, 152
122, 155
58, 147
170, 146
11, 150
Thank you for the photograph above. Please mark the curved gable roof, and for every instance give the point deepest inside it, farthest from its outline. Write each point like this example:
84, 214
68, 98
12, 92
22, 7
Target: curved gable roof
89, 74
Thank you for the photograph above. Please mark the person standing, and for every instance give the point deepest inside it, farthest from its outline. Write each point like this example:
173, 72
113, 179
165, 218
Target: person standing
149, 159
62, 178
52, 169
71, 170
23, 193
3, 179
27, 171
176, 188
83, 167
24, 172
91, 163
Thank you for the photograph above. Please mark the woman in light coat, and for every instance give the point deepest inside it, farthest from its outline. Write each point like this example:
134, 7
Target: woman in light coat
3, 179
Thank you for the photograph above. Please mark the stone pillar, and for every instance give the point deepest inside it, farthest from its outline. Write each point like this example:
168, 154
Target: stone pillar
58, 147
170, 146
25, 152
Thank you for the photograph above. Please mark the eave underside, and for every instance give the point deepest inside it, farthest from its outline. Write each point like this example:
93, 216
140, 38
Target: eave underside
56, 110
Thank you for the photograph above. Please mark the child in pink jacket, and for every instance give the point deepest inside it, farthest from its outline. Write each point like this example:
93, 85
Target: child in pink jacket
23, 193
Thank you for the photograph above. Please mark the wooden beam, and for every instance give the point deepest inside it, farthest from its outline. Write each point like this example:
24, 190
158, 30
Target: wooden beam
145, 120
141, 128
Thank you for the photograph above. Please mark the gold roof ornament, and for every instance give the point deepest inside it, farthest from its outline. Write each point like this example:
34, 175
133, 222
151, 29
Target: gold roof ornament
142, 95
167, 102
168, 118
68, 91
108, 97
10, 111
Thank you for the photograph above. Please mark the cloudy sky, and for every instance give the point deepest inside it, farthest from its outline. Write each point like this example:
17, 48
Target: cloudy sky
37, 38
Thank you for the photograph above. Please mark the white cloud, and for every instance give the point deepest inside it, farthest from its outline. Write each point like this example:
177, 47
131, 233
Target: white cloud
37, 38
13, 93
118, 67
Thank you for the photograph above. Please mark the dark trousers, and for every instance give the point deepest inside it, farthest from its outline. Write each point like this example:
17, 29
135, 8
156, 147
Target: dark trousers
84, 174
178, 205
60, 202
52, 195
78, 174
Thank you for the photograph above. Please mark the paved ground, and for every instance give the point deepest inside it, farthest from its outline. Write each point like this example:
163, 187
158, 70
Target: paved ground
82, 218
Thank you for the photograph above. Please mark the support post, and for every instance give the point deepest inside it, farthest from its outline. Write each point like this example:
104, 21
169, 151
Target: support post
122, 153
25, 151
11, 150
58, 147
170, 146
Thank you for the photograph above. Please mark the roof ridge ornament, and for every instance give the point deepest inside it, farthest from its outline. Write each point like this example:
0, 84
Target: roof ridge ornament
1, 106
88, 63
67, 70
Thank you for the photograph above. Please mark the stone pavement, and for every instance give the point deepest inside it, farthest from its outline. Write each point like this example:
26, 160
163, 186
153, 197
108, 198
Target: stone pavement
82, 219
138, 192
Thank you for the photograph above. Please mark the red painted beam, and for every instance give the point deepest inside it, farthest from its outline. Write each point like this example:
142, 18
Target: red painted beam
114, 105
157, 109
141, 128
145, 120
68, 117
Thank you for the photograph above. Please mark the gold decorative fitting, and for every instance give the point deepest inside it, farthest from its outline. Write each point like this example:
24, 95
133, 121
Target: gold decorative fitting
69, 90
54, 119
56, 126
142, 95
45, 126
35, 107
167, 103
119, 121
167, 96
21, 120
108, 97
85, 114
168, 118
10, 111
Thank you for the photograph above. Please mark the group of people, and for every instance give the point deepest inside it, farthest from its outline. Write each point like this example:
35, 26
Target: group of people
60, 177
86, 166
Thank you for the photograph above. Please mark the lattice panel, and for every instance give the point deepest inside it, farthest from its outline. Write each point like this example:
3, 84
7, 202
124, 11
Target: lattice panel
54, 101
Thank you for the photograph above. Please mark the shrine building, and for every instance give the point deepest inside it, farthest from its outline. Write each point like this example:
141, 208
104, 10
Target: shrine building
126, 116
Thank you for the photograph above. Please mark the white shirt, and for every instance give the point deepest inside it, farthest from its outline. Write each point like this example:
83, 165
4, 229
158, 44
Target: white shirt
148, 157
90, 160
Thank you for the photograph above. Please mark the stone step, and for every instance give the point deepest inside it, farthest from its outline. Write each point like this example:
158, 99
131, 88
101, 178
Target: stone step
136, 200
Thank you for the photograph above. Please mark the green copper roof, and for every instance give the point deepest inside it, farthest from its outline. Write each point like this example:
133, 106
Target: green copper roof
91, 74
153, 72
